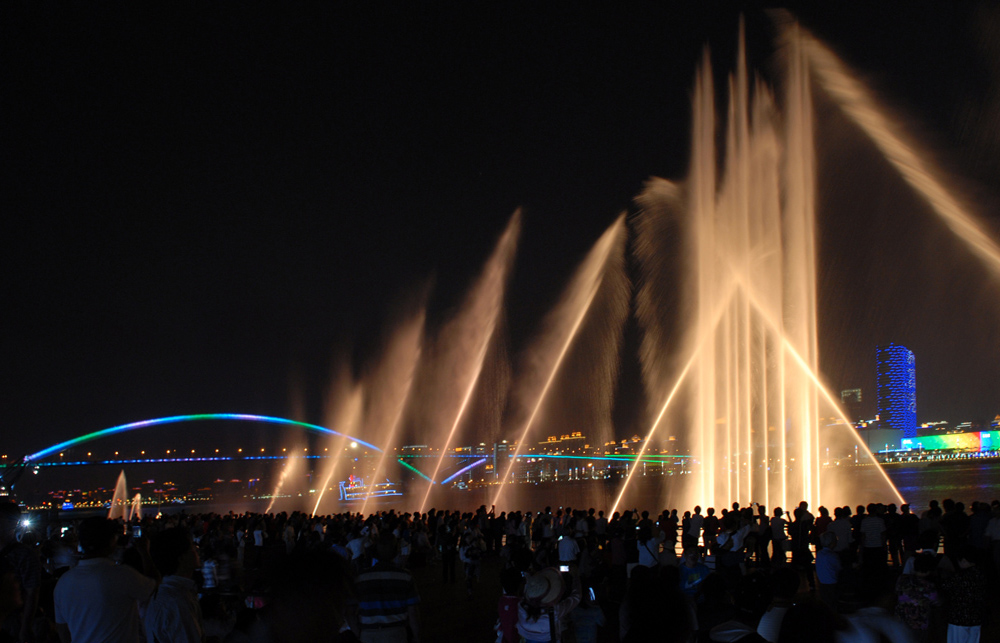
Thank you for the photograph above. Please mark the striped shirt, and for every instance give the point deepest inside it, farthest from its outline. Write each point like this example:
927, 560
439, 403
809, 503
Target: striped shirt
872, 532
385, 593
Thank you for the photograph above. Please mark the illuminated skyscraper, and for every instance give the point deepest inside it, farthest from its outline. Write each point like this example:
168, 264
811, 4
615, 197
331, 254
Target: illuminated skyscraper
896, 379
850, 401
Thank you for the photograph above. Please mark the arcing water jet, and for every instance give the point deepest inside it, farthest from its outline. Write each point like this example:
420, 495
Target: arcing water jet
344, 408
905, 155
565, 322
467, 338
392, 384
291, 466
670, 396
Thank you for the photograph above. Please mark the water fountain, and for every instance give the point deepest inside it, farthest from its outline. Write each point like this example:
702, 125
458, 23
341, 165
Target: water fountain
736, 380
344, 407
390, 390
751, 397
119, 500
562, 327
288, 471
464, 342
913, 163
136, 512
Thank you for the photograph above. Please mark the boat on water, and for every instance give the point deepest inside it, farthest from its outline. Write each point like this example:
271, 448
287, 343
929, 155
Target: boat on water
355, 488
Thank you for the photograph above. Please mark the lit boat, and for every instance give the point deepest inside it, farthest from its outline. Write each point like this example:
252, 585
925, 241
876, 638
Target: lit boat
355, 489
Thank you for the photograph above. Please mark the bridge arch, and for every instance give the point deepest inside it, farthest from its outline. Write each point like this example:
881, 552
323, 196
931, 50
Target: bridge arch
174, 419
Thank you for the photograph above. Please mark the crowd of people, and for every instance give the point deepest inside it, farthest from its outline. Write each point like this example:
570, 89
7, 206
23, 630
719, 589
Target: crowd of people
873, 573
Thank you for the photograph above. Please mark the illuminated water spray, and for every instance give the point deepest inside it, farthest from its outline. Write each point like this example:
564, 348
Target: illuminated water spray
119, 500
389, 386
290, 468
465, 342
343, 410
644, 448
564, 325
751, 398
913, 163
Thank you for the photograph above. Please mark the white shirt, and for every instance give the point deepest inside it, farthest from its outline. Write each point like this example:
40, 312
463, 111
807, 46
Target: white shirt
841, 527
872, 529
740, 536
568, 550
694, 527
357, 547
770, 623
173, 614
649, 551
98, 601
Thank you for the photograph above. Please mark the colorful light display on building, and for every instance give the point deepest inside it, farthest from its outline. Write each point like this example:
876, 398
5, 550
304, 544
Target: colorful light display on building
975, 441
896, 380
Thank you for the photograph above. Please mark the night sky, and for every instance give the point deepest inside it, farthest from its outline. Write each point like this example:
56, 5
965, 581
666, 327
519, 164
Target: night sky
202, 203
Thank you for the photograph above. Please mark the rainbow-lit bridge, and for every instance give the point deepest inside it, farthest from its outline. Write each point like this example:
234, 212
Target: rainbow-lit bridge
462, 462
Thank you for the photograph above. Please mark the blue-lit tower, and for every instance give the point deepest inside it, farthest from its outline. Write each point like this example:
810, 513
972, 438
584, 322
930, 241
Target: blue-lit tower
896, 379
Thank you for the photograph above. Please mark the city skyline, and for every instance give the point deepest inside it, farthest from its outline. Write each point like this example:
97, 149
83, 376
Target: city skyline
200, 227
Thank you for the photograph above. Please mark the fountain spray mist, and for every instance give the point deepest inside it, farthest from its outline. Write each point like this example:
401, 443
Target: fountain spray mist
292, 464
342, 413
910, 161
389, 386
756, 220
657, 186
562, 327
830, 399
119, 499
747, 229
464, 342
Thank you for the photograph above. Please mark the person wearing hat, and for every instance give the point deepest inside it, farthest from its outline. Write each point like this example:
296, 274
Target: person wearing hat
546, 605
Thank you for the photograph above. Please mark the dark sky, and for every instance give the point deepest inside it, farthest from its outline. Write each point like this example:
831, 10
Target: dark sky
201, 202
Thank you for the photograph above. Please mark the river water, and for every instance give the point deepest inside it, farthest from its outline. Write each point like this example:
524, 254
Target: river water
918, 484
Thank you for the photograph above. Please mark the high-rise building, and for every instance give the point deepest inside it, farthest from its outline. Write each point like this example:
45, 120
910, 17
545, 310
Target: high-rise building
850, 401
896, 380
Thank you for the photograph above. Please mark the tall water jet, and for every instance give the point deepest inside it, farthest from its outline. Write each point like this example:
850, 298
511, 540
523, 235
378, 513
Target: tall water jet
343, 413
136, 512
561, 328
745, 218
119, 499
389, 387
457, 358
288, 471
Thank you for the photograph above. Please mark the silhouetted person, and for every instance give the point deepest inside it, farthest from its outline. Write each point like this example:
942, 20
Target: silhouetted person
173, 614
97, 601
27, 569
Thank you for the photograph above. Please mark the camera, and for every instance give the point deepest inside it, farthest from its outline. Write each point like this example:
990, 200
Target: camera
564, 568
